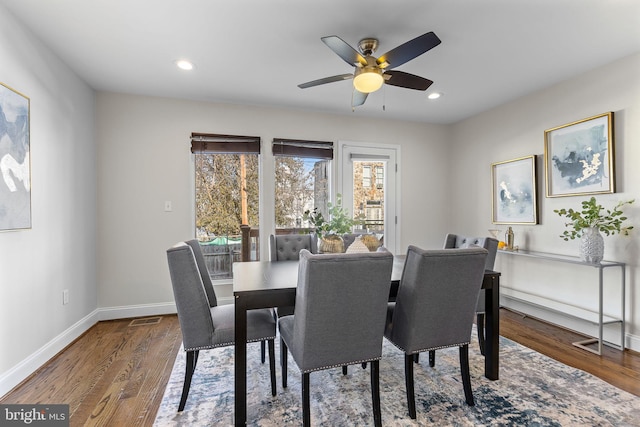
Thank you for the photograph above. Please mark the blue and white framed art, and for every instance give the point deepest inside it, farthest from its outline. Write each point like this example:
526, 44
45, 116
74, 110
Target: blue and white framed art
578, 157
15, 169
514, 191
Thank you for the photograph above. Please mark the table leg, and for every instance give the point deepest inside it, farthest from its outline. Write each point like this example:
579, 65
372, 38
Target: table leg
492, 328
240, 368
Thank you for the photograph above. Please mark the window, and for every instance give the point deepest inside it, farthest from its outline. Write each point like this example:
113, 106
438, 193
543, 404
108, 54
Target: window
227, 195
379, 177
301, 180
366, 176
367, 200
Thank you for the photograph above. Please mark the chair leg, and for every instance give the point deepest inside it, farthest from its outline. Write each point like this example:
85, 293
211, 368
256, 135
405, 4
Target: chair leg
272, 365
344, 370
364, 365
375, 392
283, 362
416, 358
262, 351
466, 377
432, 358
480, 328
408, 380
306, 409
192, 360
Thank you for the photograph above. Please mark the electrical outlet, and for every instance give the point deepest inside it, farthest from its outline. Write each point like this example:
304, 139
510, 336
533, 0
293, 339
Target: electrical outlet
168, 207
65, 297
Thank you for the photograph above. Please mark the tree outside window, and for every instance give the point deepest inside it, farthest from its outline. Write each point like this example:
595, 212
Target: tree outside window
226, 196
301, 181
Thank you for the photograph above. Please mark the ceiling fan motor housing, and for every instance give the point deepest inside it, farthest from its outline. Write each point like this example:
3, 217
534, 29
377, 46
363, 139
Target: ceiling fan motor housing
368, 46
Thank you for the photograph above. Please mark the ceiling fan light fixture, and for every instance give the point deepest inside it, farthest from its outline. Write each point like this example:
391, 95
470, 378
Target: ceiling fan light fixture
434, 95
368, 80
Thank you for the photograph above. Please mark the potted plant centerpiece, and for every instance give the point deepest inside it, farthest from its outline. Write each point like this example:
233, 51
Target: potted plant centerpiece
330, 230
588, 223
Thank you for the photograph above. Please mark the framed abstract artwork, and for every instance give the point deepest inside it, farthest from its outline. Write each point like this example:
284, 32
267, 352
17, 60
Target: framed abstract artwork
578, 157
514, 191
15, 169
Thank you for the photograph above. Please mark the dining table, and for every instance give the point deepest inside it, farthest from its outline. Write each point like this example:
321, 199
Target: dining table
265, 284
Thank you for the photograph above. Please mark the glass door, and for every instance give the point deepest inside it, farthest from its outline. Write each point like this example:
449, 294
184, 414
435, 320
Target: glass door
368, 187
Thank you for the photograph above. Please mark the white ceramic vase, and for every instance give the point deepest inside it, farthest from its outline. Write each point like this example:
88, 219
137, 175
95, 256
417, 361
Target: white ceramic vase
591, 245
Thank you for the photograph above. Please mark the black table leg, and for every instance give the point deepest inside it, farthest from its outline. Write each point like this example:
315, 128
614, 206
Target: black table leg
492, 327
240, 369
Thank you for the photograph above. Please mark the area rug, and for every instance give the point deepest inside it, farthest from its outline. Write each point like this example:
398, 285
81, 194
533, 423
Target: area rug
533, 390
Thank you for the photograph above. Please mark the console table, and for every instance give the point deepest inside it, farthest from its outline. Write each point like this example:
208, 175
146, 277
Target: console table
598, 318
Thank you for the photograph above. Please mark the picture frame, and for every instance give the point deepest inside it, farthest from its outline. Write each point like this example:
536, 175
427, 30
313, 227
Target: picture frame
514, 191
15, 164
579, 157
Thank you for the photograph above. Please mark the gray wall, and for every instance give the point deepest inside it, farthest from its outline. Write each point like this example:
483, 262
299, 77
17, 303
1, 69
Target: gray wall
517, 129
144, 159
58, 253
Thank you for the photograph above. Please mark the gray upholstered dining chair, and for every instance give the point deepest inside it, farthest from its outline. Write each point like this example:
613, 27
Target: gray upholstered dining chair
453, 241
287, 247
208, 285
434, 308
339, 320
204, 324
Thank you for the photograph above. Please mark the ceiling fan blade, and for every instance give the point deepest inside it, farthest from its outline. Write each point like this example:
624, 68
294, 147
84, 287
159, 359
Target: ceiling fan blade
406, 80
358, 98
325, 80
344, 51
409, 50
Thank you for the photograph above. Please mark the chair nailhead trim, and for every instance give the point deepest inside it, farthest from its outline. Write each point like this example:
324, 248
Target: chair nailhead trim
355, 362
227, 344
432, 348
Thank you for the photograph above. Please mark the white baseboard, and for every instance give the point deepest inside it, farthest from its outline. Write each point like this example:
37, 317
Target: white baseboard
31, 364
611, 332
28, 366
140, 310
24, 369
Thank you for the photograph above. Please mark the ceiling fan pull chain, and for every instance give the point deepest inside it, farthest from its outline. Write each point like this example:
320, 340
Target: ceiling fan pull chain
384, 98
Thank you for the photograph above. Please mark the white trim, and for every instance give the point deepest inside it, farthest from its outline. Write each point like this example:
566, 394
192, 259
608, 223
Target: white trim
32, 363
348, 150
141, 310
570, 322
37, 359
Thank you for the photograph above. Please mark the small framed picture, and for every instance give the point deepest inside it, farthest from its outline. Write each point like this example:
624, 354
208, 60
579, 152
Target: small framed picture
578, 157
514, 191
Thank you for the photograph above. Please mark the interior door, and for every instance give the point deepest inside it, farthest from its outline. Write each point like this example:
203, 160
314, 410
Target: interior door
368, 184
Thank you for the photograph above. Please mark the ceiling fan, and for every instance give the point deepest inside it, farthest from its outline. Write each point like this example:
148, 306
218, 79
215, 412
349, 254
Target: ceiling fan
371, 72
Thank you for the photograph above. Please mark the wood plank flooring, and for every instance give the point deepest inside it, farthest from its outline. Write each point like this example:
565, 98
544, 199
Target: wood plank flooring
115, 374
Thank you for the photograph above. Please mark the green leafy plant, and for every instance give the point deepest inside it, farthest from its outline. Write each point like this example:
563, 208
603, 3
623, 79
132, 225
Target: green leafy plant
596, 216
339, 222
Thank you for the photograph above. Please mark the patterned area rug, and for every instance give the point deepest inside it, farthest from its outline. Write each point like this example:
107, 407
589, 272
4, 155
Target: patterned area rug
533, 390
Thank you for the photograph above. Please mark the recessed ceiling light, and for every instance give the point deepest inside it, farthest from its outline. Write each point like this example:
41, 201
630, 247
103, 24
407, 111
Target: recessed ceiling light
183, 64
434, 95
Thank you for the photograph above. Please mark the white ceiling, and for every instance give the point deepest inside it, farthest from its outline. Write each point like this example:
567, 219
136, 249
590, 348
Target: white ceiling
258, 51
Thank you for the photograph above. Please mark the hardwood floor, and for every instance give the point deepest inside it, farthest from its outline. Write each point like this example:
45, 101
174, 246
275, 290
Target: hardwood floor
619, 368
116, 373
113, 375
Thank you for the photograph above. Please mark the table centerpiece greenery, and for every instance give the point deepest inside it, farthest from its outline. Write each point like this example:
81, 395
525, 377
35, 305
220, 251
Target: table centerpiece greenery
329, 230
